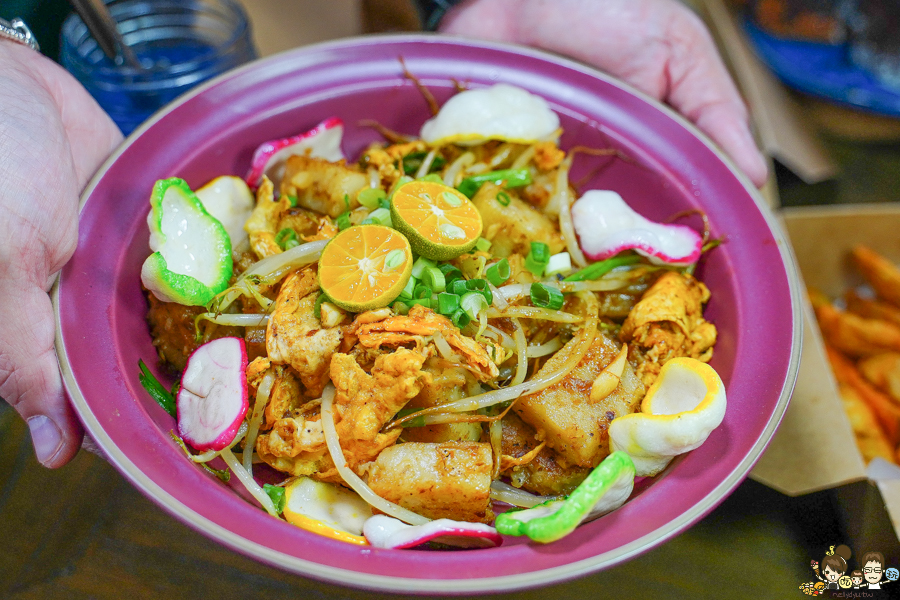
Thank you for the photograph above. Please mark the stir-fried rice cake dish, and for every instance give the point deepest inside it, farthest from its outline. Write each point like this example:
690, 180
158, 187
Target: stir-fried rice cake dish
436, 342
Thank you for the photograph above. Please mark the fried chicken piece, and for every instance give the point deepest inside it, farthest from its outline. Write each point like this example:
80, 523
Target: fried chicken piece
886, 412
322, 186
547, 155
295, 442
387, 160
270, 217
852, 334
882, 274
292, 436
451, 480
286, 395
511, 228
416, 328
295, 336
316, 464
449, 382
306, 224
870, 439
563, 413
364, 402
616, 304
262, 226
542, 472
667, 323
883, 371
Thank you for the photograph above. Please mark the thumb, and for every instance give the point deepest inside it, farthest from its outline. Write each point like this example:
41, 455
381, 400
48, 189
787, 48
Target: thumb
29, 373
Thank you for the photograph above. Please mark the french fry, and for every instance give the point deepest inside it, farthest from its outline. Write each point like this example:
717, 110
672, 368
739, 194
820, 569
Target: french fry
883, 371
870, 438
882, 274
852, 334
886, 413
871, 309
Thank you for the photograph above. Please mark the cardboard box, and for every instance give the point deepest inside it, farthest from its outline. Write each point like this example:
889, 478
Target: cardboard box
814, 448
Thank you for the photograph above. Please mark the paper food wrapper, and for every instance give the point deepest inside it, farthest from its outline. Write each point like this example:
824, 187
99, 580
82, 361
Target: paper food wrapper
815, 449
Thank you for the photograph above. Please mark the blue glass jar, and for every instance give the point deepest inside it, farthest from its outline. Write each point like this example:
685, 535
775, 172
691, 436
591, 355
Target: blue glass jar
179, 44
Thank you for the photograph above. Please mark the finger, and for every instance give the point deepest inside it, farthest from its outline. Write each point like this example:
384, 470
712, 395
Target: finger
29, 373
701, 89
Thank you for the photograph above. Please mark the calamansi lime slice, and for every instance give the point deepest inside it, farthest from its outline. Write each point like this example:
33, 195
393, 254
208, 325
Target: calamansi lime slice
365, 267
440, 222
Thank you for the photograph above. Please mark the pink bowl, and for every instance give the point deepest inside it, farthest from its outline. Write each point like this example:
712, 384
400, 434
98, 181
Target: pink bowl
214, 130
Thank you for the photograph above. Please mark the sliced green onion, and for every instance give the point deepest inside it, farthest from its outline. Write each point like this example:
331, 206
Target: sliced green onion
503, 198
381, 216
400, 308
473, 303
287, 239
426, 302
407, 292
371, 197
420, 265
420, 292
347, 201
458, 287
537, 258
460, 318
498, 272
481, 286
293, 200
482, 245
448, 303
156, 390
558, 264
450, 272
511, 178
369, 221
599, 269
317, 306
384, 203
413, 160
276, 494
394, 259
433, 278
545, 296
343, 221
